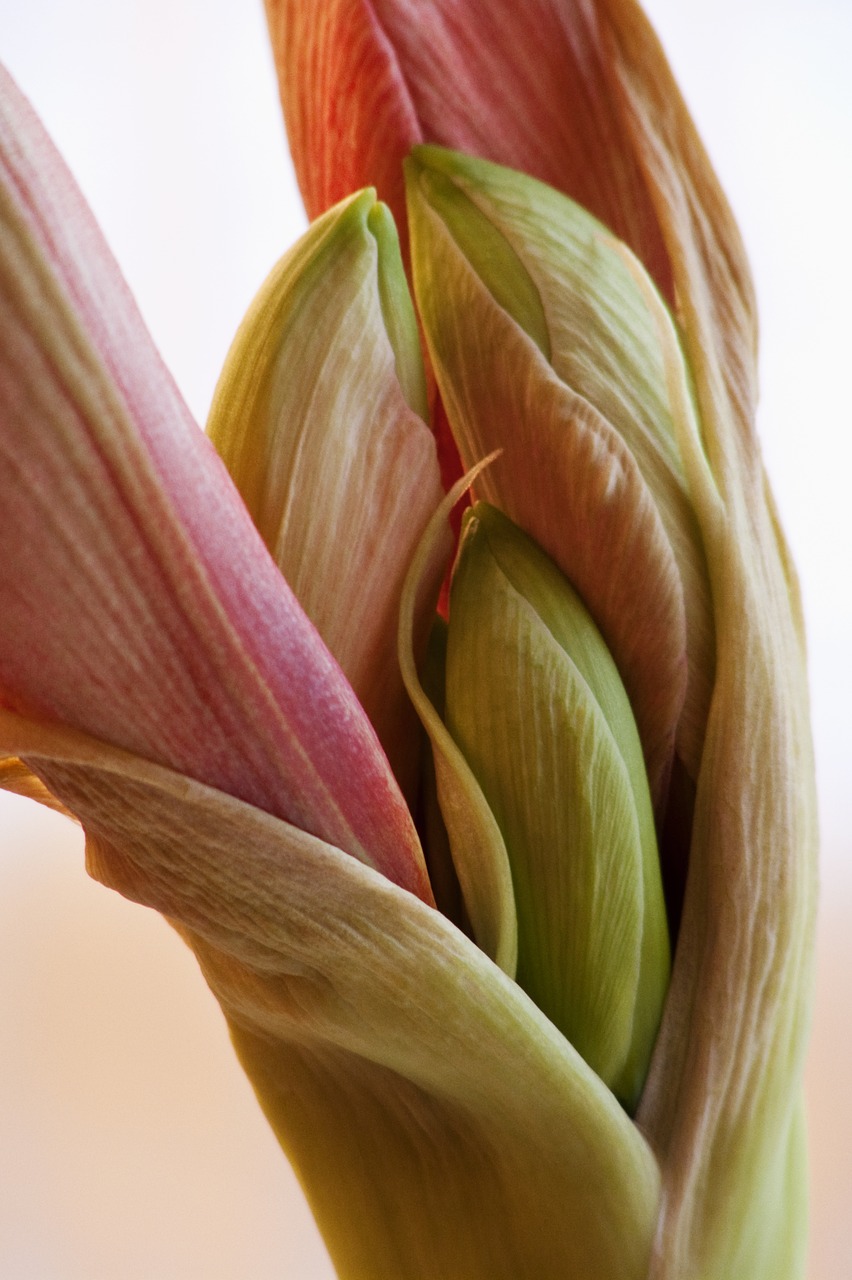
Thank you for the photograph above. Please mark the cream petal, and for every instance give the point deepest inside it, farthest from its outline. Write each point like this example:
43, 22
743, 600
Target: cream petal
723, 1099
397, 1064
318, 417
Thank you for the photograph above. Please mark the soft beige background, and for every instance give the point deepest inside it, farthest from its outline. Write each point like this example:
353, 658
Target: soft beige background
130, 1145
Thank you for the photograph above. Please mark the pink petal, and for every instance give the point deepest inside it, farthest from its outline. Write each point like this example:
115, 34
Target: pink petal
138, 603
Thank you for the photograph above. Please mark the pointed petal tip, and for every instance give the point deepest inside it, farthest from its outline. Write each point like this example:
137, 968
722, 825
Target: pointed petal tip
478, 237
398, 310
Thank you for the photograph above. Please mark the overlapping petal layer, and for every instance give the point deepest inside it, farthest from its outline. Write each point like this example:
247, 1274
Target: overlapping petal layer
535, 701
723, 1101
526, 85
477, 851
566, 475
576, 92
467, 1139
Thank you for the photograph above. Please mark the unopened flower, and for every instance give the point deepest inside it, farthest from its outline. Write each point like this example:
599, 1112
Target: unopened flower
444, 956
579, 95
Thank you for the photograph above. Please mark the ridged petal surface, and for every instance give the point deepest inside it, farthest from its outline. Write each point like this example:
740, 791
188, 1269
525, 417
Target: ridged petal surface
565, 476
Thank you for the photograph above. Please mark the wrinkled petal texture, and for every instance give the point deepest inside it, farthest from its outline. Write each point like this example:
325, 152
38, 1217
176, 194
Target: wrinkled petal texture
138, 602
712, 280
525, 85
467, 1139
346, 104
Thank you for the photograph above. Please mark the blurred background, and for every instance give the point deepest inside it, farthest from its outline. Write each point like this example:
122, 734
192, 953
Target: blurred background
130, 1144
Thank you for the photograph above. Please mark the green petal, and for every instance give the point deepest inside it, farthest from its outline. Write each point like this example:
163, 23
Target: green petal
486, 249
536, 704
443, 876
398, 310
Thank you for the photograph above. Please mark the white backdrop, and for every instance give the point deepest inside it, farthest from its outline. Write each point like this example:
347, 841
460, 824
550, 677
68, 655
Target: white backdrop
130, 1146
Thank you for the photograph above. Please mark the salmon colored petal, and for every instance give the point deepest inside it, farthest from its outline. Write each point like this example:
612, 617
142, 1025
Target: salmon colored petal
526, 85
577, 93
138, 601
317, 418
346, 103
440, 1124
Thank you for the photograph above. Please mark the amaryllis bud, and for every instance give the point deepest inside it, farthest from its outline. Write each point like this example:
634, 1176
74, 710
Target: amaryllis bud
447, 1076
138, 602
536, 704
543, 345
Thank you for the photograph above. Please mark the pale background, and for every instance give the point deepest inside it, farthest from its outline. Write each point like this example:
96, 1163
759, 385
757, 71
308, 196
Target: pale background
130, 1144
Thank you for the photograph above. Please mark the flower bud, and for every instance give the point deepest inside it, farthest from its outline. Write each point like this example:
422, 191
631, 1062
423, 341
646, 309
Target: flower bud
544, 344
535, 702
